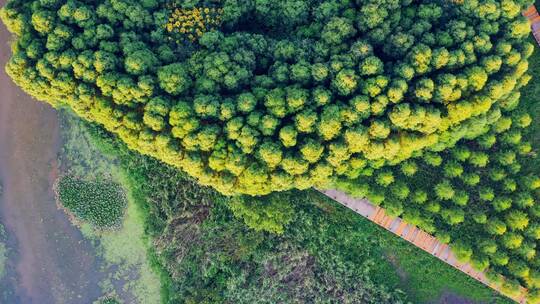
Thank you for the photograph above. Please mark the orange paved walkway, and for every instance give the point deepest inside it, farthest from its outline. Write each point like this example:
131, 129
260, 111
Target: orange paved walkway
413, 235
534, 18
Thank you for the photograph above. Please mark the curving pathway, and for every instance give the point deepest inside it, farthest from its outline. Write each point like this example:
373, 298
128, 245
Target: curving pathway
415, 236
534, 18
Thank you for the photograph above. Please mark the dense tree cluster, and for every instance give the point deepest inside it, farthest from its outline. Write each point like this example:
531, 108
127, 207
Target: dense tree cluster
286, 94
479, 196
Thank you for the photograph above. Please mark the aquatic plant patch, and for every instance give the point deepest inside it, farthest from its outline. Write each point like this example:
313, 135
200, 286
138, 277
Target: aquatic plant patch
100, 203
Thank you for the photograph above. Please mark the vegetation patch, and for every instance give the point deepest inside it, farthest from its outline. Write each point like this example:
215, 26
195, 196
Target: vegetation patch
481, 195
192, 23
108, 300
208, 254
271, 213
262, 96
3, 251
100, 203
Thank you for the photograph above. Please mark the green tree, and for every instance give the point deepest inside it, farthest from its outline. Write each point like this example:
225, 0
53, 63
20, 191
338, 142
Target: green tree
387, 82
174, 79
517, 220
444, 190
270, 214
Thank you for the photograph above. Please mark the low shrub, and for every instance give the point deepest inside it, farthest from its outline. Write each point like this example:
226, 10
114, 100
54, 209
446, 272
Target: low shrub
271, 213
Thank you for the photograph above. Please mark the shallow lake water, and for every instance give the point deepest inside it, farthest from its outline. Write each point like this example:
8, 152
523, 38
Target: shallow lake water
50, 262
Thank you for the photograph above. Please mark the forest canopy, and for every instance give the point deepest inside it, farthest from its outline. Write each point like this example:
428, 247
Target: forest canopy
258, 96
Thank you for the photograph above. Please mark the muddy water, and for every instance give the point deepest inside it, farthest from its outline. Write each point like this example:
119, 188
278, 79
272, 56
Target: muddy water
53, 263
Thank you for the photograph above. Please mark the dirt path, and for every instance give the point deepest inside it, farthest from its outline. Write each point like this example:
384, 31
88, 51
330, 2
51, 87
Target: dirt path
54, 264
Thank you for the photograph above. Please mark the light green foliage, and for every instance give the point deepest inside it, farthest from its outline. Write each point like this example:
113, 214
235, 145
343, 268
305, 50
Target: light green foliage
282, 90
174, 79
100, 203
462, 251
409, 168
270, 214
127, 249
444, 190
517, 220
384, 178
432, 159
480, 196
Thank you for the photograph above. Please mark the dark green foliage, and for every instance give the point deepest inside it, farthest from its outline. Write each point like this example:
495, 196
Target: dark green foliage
283, 94
100, 203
